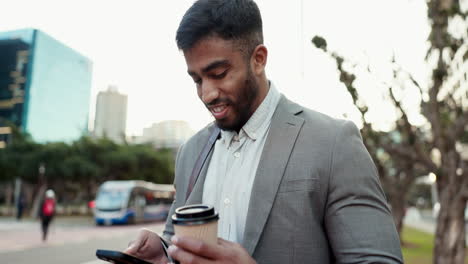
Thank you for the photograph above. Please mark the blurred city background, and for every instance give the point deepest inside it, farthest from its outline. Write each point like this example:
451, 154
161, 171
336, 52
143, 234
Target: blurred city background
95, 101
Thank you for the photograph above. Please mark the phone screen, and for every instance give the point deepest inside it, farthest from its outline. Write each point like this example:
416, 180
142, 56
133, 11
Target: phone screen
118, 257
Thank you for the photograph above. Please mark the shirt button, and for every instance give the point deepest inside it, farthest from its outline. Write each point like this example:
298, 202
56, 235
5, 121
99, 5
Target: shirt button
237, 154
254, 135
227, 201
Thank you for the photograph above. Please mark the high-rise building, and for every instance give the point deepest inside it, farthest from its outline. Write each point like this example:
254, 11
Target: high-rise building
45, 86
167, 134
111, 115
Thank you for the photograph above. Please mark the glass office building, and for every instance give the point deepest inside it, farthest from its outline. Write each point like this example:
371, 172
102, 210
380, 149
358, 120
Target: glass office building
45, 86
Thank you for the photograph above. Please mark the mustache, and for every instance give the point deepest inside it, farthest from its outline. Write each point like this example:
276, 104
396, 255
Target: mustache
218, 101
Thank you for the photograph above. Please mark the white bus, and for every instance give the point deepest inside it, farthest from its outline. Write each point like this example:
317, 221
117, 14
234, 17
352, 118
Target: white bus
124, 202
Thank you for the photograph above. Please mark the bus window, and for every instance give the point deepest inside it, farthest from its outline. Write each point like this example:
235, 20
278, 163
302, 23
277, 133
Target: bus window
120, 202
111, 200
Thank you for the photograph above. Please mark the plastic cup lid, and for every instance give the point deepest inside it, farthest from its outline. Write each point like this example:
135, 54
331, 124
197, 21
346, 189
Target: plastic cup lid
194, 214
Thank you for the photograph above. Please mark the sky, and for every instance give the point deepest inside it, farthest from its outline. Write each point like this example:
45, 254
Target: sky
132, 45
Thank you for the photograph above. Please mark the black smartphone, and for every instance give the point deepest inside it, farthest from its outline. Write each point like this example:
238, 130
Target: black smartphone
118, 257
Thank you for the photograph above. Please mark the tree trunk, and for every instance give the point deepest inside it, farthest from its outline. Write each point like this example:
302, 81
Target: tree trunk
397, 192
450, 233
398, 212
37, 200
9, 195
29, 196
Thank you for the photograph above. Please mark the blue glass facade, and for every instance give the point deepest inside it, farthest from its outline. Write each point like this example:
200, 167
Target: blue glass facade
13, 71
52, 82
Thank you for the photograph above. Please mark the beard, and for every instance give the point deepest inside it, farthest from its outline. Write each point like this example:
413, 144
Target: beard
243, 107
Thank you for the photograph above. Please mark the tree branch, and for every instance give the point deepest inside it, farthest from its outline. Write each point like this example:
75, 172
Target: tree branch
414, 156
464, 188
412, 79
398, 105
460, 123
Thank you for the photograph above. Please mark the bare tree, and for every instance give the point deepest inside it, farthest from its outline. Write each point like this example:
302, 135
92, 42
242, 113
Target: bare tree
445, 108
449, 119
397, 172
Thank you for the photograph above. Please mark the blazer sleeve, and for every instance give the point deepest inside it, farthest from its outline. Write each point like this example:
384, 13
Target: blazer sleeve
169, 229
358, 221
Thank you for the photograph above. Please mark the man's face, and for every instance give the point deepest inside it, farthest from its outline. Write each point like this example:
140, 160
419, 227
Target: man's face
225, 82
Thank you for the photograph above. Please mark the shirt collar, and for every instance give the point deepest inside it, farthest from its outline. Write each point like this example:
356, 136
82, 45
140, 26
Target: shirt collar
259, 121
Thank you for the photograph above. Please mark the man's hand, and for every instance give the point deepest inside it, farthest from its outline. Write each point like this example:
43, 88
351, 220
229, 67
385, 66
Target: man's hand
192, 251
147, 246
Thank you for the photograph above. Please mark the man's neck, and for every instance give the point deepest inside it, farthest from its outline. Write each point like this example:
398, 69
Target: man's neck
263, 88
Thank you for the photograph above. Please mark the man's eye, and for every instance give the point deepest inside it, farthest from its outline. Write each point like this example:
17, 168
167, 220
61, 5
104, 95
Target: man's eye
219, 76
197, 81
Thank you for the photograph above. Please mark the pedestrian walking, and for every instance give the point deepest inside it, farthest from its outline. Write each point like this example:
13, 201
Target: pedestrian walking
47, 212
20, 204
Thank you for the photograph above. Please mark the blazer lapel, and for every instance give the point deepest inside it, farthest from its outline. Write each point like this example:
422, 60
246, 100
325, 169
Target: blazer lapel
196, 196
285, 127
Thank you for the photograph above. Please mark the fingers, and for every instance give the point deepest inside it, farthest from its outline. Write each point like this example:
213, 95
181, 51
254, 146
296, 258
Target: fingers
197, 247
136, 244
223, 242
130, 243
186, 257
188, 250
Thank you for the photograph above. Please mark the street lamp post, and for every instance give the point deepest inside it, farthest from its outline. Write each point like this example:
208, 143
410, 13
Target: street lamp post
42, 170
41, 190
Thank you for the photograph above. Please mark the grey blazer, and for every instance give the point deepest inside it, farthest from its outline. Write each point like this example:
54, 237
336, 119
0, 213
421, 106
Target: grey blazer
316, 197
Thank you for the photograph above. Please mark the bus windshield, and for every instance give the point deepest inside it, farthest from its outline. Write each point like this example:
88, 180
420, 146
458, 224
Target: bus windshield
111, 199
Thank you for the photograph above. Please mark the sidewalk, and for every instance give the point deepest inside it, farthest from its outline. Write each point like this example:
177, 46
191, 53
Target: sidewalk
415, 220
27, 233
10, 223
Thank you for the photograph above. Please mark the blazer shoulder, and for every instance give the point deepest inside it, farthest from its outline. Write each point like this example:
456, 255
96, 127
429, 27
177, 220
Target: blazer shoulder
323, 121
315, 124
310, 116
197, 141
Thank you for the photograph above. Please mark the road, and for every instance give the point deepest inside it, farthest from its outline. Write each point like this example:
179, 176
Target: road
71, 240
74, 240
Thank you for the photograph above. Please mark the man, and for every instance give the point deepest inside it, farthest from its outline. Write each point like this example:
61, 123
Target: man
291, 185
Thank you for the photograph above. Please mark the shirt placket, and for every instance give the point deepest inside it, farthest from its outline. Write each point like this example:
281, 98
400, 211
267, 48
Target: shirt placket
227, 193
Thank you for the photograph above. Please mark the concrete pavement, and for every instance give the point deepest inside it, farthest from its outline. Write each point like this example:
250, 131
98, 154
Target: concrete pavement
421, 221
74, 240
69, 253
18, 236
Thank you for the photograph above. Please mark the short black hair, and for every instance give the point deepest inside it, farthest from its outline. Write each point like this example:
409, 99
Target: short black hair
237, 20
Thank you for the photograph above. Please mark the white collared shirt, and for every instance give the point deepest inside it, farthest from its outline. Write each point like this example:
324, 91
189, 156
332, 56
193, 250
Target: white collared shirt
233, 166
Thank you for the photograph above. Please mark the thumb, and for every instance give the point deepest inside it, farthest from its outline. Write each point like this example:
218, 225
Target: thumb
136, 244
132, 247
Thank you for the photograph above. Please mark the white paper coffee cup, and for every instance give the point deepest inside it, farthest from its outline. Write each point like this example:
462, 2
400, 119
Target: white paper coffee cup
198, 221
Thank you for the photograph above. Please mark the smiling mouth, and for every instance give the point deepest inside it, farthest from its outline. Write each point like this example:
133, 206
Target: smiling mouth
219, 111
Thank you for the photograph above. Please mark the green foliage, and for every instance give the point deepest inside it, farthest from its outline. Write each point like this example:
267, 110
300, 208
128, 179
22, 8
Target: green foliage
420, 195
319, 42
464, 138
15, 160
418, 246
84, 160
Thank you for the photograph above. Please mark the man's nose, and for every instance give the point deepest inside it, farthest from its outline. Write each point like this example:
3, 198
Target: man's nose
209, 92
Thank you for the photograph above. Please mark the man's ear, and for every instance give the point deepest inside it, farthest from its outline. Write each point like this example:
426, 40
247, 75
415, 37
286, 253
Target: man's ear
259, 59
